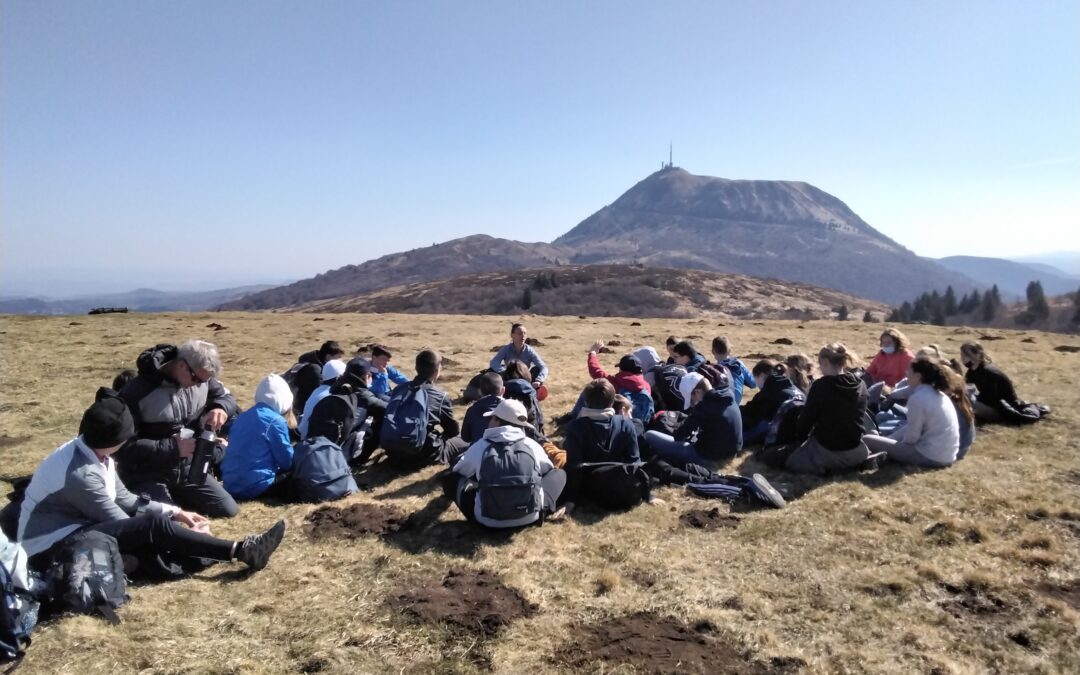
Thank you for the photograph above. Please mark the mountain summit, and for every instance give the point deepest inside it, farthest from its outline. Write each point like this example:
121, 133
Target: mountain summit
785, 230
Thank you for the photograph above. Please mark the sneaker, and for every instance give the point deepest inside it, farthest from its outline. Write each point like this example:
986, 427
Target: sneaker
760, 488
256, 549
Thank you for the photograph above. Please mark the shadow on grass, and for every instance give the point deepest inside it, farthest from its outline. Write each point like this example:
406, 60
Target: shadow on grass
795, 485
418, 488
425, 532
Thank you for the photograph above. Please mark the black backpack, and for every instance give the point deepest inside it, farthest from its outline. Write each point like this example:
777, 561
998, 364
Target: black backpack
87, 575
18, 616
509, 485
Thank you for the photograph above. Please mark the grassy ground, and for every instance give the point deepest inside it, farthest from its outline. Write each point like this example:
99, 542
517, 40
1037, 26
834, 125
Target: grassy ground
965, 570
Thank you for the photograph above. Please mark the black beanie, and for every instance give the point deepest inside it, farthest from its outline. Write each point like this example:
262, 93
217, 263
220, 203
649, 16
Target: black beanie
108, 422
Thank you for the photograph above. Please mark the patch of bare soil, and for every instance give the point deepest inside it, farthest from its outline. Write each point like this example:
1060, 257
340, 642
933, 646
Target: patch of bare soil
1068, 592
712, 519
6, 440
468, 600
968, 600
948, 534
1067, 349
353, 521
647, 643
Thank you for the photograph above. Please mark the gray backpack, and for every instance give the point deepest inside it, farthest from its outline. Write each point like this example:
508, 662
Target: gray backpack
509, 485
321, 472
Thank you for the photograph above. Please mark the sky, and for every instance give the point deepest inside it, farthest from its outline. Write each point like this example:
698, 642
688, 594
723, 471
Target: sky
204, 144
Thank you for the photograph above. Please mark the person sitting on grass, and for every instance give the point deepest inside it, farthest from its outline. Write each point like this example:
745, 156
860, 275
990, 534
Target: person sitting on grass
800, 370
687, 356
931, 435
891, 363
260, 453
76, 488
740, 376
419, 426
475, 422
520, 350
603, 463
327, 351
711, 434
331, 371
382, 373
996, 399
774, 390
830, 426
505, 480
629, 381
177, 388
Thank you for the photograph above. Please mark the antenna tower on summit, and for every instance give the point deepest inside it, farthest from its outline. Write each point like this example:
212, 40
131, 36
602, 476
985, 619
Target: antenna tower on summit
670, 161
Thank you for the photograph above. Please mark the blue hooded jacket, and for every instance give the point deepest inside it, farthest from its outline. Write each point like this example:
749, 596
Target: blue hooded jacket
259, 450
740, 377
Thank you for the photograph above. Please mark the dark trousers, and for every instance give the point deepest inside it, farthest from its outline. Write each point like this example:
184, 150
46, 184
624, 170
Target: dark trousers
209, 499
156, 534
553, 482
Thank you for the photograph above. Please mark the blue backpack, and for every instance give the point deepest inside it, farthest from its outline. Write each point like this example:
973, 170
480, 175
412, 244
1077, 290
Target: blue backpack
321, 472
641, 405
405, 425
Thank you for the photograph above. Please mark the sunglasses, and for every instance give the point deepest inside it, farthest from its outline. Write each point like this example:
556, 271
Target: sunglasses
195, 376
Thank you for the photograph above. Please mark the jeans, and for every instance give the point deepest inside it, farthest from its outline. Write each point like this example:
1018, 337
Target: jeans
756, 433
679, 453
553, 482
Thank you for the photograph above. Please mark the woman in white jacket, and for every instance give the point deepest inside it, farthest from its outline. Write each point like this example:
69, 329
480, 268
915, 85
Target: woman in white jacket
931, 436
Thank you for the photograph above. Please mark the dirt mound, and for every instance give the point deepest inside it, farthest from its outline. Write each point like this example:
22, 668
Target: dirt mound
782, 341
700, 519
476, 602
648, 643
973, 599
1067, 349
355, 520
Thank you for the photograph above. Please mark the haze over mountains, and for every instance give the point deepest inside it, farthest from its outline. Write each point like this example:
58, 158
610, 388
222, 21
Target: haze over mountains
785, 230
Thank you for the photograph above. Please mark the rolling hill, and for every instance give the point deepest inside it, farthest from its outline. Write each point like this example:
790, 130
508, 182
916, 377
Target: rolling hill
1011, 277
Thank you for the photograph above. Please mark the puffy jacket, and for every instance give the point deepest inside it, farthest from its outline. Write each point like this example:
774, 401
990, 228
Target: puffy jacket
161, 409
714, 425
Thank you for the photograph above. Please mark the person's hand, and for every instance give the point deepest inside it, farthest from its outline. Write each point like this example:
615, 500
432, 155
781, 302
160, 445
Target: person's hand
886, 390
597, 346
193, 520
536, 385
655, 501
185, 446
215, 419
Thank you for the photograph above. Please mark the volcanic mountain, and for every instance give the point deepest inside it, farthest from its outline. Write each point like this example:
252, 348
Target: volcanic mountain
784, 230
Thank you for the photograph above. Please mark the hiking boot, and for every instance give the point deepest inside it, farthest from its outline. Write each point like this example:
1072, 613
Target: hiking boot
256, 549
760, 488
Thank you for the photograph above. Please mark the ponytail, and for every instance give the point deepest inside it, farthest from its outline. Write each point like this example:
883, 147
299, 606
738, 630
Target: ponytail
839, 355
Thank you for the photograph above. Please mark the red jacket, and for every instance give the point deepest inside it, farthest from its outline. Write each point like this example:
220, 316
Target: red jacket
890, 368
622, 381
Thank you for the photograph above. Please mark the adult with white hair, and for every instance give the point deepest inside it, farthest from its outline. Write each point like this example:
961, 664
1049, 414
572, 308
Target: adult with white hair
176, 389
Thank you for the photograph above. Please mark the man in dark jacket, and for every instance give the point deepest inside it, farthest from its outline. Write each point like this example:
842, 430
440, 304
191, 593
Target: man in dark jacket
607, 440
328, 351
306, 375
476, 419
176, 389
712, 431
442, 444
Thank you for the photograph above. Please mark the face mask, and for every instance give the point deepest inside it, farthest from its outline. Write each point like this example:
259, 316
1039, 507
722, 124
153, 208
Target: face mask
888, 350
969, 364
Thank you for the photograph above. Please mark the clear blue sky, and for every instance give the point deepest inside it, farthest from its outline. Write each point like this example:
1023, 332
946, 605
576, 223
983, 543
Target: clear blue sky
204, 143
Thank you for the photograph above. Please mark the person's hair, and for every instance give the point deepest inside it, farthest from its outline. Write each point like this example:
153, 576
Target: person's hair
720, 345
621, 404
704, 385
671, 341
428, 363
800, 370
769, 367
933, 351
958, 393
515, 326
838, 355
932, 372
491, 383
900, 340
200, 354
380, 350
290, 419
599, 394
684, 348
330, 350
975, 349
122, 379
517, 370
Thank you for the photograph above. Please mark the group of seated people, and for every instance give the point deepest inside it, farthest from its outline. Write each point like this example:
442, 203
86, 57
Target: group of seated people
670, 422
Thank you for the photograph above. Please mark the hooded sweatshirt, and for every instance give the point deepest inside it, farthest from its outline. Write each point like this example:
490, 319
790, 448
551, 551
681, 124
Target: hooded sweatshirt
469, 466
622, 380
740, 377
649, 361
776, 391
161, 409
259, 444
835, 411
714, 425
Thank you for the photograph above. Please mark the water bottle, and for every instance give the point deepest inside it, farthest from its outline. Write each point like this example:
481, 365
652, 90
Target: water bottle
204, 454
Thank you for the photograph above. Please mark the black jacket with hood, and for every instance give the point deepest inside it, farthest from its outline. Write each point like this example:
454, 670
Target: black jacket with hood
835, 412
161, 409
714, 425
777, 391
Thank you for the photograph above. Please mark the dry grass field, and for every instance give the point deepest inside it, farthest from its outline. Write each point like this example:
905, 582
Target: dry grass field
972, 569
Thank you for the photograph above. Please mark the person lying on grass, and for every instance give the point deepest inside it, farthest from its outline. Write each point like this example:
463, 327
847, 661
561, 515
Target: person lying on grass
76, 488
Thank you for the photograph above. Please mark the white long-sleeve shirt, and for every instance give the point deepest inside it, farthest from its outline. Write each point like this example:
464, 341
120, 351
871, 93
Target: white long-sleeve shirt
932, 426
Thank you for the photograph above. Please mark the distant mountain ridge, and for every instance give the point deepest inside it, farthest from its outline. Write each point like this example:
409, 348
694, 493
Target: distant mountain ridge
138, 300
1010, 277
784, 230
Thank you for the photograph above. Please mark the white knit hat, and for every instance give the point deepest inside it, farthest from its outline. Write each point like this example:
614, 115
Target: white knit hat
274, 391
